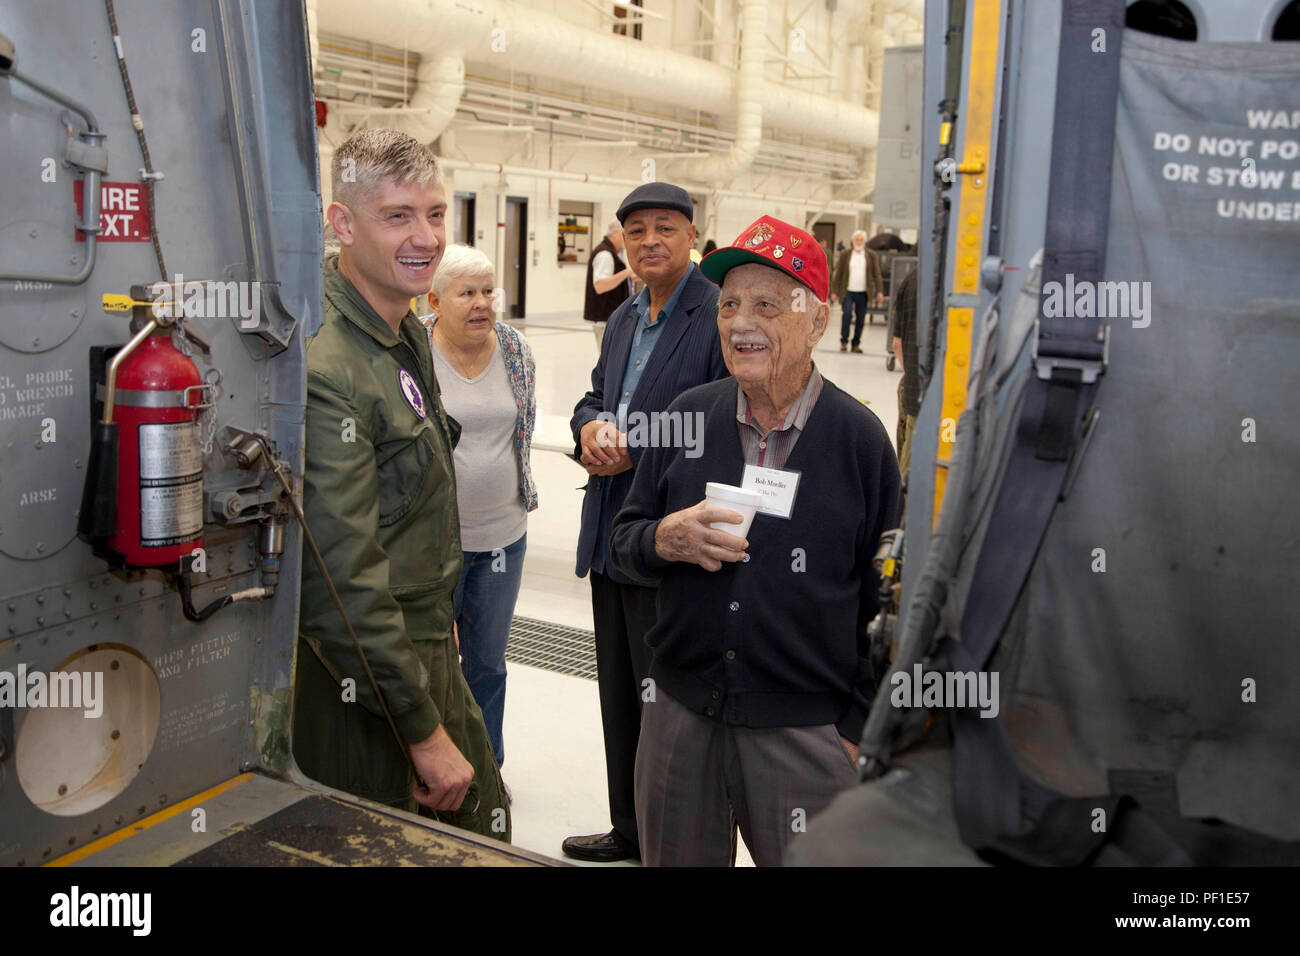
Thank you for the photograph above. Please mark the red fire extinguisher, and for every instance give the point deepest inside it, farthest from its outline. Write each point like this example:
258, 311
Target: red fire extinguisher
156, 399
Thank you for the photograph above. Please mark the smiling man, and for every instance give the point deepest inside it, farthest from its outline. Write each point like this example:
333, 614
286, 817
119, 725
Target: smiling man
379, 495
760, 654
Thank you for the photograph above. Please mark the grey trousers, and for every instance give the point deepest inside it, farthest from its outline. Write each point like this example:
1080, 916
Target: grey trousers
697, 781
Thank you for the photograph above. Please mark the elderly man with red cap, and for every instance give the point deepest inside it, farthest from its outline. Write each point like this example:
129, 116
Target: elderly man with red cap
761, 674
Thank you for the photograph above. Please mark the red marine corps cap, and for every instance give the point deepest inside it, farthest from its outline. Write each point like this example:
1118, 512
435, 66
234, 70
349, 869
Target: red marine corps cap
778, 244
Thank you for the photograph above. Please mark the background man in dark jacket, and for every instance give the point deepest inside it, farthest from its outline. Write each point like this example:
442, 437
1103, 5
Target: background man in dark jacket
659, 343
761, 668
905, 353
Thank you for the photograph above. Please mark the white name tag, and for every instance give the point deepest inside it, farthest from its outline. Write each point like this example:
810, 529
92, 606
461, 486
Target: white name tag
777, 487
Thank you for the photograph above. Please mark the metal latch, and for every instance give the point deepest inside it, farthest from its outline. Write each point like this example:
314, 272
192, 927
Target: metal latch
1090, 368
210, 397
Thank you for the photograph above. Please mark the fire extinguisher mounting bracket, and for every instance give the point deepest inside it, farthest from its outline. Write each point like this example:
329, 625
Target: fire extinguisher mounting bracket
207, 392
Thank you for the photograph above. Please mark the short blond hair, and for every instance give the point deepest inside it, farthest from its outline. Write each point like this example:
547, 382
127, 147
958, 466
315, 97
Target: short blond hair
372, 155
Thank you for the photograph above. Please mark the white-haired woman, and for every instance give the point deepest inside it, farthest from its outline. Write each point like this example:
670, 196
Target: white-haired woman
486, 375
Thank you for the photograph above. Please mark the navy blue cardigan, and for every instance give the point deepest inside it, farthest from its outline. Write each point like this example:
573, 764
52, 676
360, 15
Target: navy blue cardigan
779, 640
688, 354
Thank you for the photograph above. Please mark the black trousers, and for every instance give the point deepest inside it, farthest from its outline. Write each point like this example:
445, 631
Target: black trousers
622, 613
855, 303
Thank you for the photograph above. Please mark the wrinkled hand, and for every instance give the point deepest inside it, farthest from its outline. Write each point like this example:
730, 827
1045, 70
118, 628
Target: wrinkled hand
880, 298
445, 772
604, 448
686, 536
852, 749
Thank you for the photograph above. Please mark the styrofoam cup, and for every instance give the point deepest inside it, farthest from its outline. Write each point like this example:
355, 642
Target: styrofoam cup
739, 500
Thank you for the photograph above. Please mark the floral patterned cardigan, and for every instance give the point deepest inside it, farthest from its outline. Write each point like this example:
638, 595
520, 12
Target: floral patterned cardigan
522, 372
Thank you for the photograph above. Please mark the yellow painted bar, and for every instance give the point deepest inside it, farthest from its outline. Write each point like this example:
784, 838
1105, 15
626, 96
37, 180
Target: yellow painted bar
153, 820
968, 221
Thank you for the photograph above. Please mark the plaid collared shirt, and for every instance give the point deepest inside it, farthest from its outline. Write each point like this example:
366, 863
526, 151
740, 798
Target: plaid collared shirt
772, 450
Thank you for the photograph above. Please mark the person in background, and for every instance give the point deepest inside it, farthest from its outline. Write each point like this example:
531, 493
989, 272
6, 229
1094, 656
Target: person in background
609, 280
486, 374
905, 353
856, 281
709, 246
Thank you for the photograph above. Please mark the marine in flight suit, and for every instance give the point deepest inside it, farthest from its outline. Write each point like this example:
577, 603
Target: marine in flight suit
380, 498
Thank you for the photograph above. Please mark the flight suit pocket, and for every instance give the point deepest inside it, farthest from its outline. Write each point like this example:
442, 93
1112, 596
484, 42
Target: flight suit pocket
402, 475
427, 612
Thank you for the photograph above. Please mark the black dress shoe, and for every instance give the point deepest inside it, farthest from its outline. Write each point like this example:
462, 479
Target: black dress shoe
600, 848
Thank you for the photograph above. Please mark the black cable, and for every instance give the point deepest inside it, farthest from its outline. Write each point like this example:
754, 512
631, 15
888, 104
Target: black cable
948, 108
187, 603
138, 124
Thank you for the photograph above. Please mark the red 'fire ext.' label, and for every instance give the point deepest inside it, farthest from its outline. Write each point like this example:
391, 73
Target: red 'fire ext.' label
123, 212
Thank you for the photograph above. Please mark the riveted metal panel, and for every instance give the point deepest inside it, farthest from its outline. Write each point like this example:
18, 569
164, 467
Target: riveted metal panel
224, 88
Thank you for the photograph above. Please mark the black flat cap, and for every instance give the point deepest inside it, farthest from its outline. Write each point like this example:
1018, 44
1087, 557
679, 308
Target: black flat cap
658, 196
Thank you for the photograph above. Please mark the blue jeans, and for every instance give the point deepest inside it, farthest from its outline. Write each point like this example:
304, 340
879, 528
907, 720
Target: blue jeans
485, 604
855, 303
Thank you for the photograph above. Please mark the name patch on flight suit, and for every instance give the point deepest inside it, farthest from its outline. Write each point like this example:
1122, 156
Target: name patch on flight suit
412, 393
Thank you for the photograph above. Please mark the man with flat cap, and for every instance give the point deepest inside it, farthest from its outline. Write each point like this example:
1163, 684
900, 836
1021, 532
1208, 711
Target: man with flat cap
658, 344
760, 653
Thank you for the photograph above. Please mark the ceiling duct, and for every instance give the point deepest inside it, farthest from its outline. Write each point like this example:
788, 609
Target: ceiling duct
439, 83
543, 45
749, 104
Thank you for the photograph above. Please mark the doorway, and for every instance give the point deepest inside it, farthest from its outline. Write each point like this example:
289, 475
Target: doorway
463, 228
515, 267
824, 233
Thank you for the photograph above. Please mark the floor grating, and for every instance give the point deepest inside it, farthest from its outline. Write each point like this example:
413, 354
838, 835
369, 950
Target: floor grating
552, 647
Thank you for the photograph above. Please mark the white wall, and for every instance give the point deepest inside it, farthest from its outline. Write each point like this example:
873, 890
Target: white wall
552, 289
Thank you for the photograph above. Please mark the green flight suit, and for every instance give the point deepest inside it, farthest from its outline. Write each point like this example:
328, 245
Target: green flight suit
380, 497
